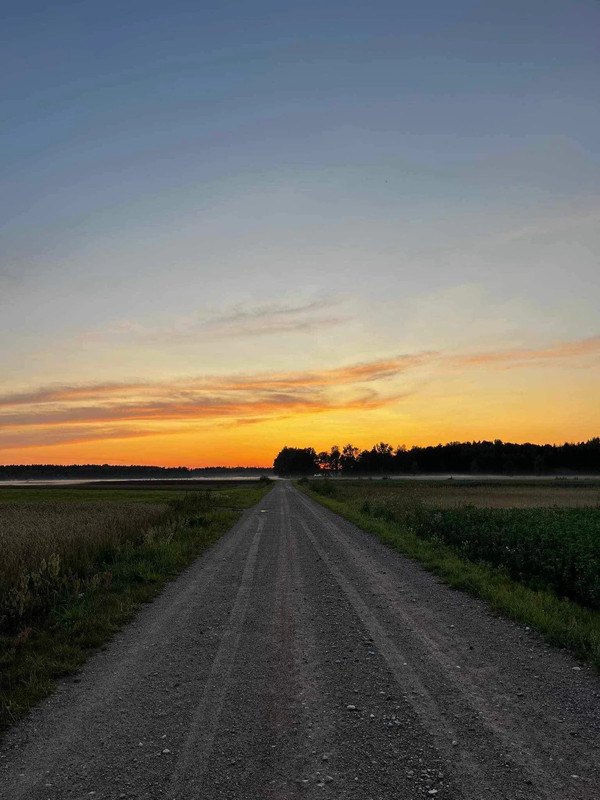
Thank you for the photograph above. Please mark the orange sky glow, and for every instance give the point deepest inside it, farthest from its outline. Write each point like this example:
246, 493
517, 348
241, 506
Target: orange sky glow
543, 394
225, 232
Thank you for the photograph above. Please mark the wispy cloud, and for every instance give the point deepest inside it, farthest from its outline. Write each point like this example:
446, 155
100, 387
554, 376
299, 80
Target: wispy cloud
192, 408
187, 389
67, 413
511, 359
69, 434
237, 321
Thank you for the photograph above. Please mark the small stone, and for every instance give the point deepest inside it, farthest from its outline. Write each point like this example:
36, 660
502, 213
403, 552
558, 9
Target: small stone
577, 669
351, 708
433, 791
166, 750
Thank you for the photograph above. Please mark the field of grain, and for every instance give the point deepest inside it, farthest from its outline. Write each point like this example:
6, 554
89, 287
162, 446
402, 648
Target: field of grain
61, 542
54, 548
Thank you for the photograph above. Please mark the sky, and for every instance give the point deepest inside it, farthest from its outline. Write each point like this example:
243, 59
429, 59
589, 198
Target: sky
229, 227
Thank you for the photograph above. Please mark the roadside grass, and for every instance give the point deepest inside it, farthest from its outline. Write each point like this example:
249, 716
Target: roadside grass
562, 622
95, 590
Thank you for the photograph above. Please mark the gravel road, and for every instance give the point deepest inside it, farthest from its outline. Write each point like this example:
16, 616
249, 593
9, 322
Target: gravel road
299, 658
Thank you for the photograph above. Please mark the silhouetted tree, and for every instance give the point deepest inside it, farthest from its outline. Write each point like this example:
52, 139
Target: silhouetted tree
335, 459
348, 458
296, 461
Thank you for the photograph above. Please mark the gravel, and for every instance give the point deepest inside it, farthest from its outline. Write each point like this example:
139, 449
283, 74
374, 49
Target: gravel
301, 658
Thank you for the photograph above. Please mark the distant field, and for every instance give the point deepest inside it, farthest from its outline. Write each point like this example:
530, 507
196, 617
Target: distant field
482, 494
122, 491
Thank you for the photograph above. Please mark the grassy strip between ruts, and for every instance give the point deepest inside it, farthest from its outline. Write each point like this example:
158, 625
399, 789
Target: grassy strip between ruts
59, 643
562, 622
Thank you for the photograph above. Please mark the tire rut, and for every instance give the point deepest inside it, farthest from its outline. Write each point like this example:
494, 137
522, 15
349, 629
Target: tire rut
196, 751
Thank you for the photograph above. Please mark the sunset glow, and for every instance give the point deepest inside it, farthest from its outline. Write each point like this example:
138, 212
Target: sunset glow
242, 419
230, 233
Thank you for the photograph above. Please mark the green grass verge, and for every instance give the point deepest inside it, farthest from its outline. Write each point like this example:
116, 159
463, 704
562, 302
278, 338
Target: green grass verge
59, 644
562, 622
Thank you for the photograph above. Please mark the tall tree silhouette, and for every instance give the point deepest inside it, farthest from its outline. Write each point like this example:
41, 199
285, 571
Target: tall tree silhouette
296, 461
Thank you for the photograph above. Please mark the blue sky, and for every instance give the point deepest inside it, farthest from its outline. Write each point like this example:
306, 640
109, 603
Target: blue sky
392, 177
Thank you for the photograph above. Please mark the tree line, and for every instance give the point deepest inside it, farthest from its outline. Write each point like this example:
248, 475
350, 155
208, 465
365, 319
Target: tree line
476, 458
109, 471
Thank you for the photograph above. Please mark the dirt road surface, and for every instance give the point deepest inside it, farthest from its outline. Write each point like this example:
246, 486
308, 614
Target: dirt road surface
299, 658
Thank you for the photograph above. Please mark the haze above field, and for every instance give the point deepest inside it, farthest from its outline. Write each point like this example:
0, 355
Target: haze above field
228, 229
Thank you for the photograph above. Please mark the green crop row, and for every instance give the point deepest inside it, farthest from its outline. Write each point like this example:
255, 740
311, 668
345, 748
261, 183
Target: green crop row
555, 548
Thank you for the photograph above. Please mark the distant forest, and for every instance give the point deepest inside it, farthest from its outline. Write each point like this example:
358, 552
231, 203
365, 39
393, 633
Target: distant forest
475, 458
24, 472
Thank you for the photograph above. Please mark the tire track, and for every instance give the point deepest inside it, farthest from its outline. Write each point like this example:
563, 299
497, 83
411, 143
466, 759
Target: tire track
193, 761
419, 697
318, 730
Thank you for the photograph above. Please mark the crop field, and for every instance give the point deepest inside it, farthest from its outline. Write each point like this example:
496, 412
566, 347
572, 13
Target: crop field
511, 495
54, 548
483, 494
544, 536
76, 563
483, 536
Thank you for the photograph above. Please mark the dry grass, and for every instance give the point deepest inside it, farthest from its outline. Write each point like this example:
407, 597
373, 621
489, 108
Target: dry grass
50, 548
504, 496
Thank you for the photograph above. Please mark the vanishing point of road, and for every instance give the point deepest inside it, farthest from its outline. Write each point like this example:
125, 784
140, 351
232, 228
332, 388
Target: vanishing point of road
300, 658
